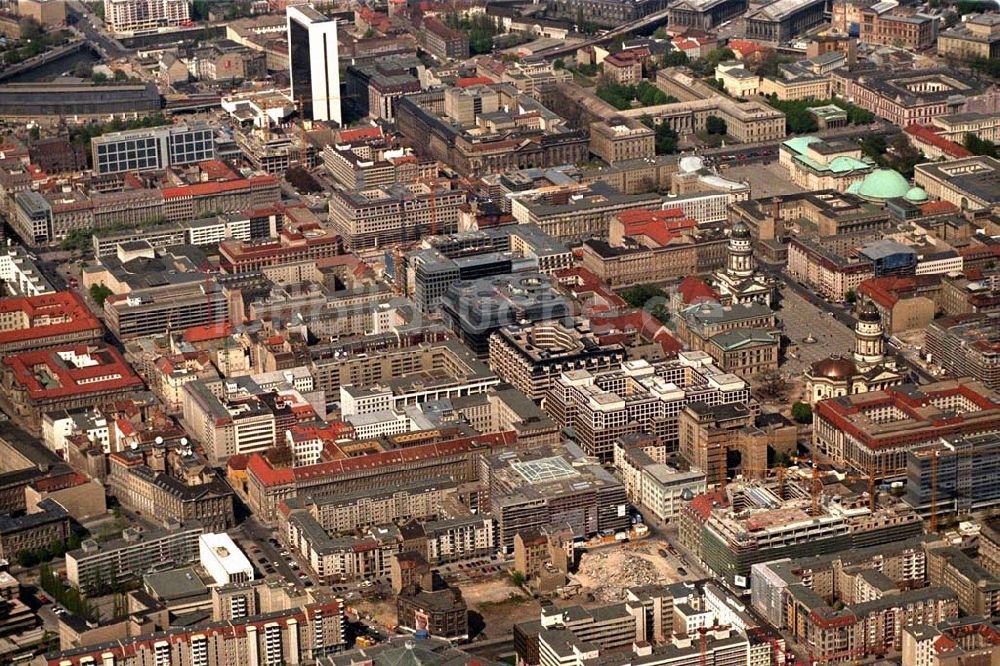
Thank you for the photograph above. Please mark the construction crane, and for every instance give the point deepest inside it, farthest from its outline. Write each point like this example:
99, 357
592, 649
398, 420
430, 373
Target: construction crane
934, 513
934, 516
778, 655
815, 489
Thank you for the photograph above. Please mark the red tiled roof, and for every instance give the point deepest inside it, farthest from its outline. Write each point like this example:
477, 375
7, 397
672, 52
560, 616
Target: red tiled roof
207, 332
109, 373
67, 306
694, 290
60, 482
217, 170
238, 462
929, 136
579, 279
361, 133
743, 48
937, 208
261, 469
686, 43
702, 505
211, 189
886, 291
627, 58
660, 226
469, 81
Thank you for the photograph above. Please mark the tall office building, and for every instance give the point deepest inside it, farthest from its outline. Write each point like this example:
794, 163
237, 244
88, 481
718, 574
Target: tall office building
313, 63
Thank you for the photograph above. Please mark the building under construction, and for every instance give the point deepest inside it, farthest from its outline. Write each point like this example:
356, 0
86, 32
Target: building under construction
954, 476
777, 519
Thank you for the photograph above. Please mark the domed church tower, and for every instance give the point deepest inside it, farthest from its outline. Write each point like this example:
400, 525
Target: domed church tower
740, 252
869, 347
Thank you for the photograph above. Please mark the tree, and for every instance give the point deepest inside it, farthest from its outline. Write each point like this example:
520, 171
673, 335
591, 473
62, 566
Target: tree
715, 125
559, 63
802, 412
517, 578
650, 298
666, 139
873, 146
771, 385
851, 297
35, 133
199, 10
616, 95
978, 146
27, 558
675, 59
100, 293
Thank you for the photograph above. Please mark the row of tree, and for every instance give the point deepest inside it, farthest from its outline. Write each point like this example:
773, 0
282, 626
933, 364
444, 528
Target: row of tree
65, 594
58, 548
621, 96
896, 153
978, 146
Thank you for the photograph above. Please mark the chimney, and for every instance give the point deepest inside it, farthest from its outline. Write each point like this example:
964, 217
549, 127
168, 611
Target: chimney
776, 208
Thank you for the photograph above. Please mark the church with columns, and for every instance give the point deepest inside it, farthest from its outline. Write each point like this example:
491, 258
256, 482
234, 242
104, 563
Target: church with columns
740, 282
867, 369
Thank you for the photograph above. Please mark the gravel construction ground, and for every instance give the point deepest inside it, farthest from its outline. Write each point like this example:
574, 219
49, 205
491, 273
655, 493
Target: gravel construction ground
606, 573
500, 604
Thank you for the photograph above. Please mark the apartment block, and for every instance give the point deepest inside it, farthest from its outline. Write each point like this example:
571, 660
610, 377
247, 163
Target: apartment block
977, 37
36, 382
361, 465
299, 634
347, 512
176, 307
873, 432
759, 526
138, 552
33, 531
898, 27
654, 486
129, 16
185, 489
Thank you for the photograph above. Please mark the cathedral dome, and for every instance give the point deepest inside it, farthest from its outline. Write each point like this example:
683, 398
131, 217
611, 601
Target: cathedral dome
883, 184
867, 312
834, 367
741, 230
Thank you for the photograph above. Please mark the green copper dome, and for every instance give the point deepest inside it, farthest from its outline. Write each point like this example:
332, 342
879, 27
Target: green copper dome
916, 195
883, 184
854, 187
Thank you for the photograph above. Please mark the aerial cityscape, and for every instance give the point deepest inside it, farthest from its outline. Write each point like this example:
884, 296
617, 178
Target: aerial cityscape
499, 332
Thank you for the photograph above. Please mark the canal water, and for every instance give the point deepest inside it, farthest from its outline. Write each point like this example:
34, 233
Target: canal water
56, 68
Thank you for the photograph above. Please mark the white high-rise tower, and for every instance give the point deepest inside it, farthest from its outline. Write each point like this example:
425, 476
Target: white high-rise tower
313, 63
